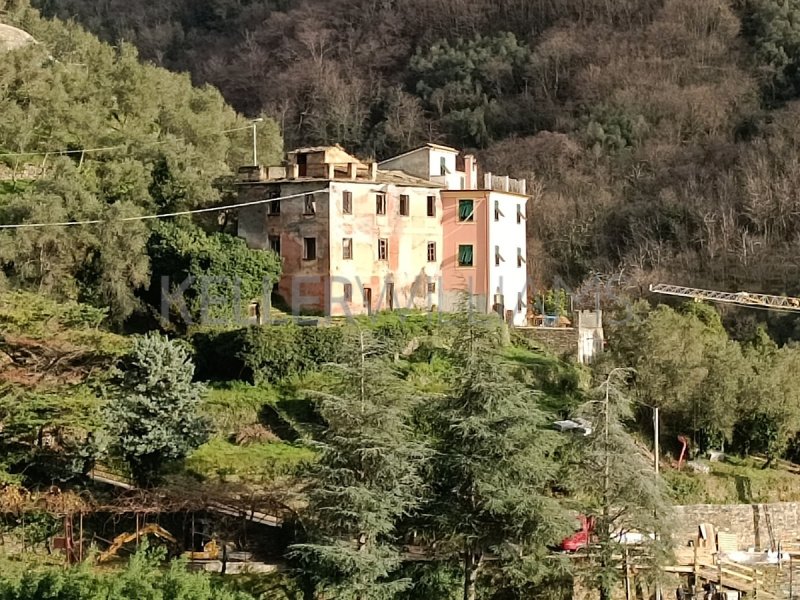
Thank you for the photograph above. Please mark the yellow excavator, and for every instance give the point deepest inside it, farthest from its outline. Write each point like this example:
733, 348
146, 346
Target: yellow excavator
125, 538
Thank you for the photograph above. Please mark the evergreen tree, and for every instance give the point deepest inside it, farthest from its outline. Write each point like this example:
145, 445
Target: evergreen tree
493, 465
616, 486
153, 413
366, 479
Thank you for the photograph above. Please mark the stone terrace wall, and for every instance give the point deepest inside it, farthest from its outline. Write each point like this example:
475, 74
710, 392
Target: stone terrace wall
748, 521
561, 341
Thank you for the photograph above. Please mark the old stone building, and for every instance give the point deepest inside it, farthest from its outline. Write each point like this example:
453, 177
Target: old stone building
352, 238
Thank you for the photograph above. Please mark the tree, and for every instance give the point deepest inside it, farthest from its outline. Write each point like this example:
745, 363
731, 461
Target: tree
616, 486
153, 411
367, 478
223, 275
493, 466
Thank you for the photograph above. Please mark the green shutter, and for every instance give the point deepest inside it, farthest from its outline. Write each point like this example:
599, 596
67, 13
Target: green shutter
465, 210
465, 256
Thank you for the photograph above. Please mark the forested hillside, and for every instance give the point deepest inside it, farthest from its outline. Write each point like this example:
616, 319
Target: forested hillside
662, 132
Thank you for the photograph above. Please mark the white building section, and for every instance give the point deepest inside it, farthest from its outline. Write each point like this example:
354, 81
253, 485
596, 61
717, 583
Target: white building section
508, 279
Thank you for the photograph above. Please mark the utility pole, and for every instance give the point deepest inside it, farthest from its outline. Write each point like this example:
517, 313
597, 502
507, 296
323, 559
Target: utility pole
255, 122
656, 449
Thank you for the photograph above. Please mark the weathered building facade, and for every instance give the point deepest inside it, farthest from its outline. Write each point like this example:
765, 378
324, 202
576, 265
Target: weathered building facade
352, 238
484, 231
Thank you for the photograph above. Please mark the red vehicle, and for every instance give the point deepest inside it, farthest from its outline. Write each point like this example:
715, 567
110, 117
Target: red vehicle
581, 538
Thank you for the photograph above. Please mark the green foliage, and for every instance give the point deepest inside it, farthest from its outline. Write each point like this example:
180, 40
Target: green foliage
493, 464
224, 274
153, 411
255, 463
367, 478
463, 81
69, 92
273, 352
553, 302
773, 27
47, 434
615, 484
611, 130
143, 578
34, 315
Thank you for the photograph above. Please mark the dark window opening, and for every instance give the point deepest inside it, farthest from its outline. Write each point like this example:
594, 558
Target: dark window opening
431, 251
309, 205
431, 206
383, 249
466, 210
404, 205
347, 248
275, 244
309, 248
348, 292
380, 204
347, 203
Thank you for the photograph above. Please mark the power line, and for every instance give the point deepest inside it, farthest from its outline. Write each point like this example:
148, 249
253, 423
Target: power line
105, 148
163, 215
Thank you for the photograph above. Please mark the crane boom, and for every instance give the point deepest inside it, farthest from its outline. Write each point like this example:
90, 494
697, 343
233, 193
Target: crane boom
784, 303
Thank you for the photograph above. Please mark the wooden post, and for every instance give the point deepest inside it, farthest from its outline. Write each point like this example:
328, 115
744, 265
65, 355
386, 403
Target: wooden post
695, 570
137, 530
80, 536
627, 576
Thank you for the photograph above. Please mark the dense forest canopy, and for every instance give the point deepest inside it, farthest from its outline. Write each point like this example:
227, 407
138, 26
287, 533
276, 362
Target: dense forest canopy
662, 132
155, 144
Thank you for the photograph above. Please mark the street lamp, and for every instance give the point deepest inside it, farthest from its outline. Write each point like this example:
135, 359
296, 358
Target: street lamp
255, 122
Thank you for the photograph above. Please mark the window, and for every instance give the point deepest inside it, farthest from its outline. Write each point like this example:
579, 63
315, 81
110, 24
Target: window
404, 205
520, 259
380, 204
520, 303
497, 213
275, 244
431, 206
309, 248
367, 293
431, 287
443, 165
465, 255
348, 292
497, 258
274, 207
347, 248
520, 216
431, 251
309, 205
383, 249
466, 210
347, 203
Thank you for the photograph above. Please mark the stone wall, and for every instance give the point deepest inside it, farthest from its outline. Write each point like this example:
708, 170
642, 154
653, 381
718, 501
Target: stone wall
561, 341
750, 522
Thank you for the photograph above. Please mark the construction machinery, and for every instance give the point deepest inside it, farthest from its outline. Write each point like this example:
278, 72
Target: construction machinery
747, 299
211, 551
124, 538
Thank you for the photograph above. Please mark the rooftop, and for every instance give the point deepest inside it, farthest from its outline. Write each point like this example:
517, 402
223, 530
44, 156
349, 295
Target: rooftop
429, 145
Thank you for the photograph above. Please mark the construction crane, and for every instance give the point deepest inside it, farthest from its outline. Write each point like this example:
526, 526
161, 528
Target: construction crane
779, 303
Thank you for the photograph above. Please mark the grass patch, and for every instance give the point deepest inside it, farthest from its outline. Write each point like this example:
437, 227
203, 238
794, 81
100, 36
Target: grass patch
256, 463
233, 404
735, 481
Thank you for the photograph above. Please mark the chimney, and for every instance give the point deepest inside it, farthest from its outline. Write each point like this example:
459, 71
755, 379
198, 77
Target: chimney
469, 172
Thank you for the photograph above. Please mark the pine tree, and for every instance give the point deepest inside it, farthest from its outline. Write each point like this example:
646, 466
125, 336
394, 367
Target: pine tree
153, 413
616, 483
493, 465
367, 478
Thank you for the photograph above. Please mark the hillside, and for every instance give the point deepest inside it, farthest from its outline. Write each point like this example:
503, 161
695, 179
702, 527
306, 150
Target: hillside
662, 132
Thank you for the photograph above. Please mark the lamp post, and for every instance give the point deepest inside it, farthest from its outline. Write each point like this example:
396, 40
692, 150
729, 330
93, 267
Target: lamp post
255, 123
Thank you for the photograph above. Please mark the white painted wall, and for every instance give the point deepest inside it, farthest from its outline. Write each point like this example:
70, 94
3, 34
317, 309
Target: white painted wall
508, 279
